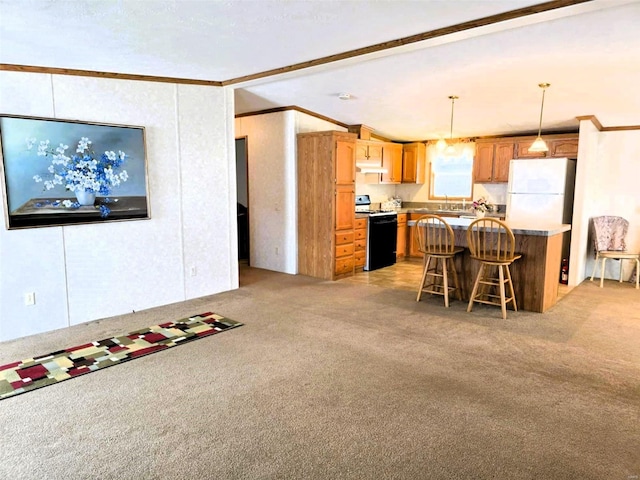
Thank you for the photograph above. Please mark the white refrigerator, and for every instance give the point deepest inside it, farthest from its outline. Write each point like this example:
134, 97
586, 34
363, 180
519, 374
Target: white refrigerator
541, 190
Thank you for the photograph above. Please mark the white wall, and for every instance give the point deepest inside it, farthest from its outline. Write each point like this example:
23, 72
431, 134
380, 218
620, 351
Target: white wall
85, 272
606, 184
273, 219
271, 194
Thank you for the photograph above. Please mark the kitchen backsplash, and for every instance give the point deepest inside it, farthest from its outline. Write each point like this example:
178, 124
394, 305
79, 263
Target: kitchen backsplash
418, 194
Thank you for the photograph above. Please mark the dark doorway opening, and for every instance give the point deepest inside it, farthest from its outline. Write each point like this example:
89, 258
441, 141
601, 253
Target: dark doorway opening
242, 188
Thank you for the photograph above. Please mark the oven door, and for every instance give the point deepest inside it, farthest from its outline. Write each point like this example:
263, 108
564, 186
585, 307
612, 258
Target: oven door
382, 234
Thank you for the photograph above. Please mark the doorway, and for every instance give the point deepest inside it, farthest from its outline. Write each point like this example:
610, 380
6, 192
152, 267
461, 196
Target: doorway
242, 189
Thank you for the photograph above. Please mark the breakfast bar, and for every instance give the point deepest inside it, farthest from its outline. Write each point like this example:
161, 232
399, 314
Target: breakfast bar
535, 275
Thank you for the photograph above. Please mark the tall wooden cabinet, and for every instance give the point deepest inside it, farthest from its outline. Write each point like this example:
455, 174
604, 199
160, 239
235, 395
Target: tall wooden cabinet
326, 204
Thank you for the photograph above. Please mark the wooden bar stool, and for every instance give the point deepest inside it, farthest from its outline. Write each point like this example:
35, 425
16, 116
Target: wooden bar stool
492, 243
436, 241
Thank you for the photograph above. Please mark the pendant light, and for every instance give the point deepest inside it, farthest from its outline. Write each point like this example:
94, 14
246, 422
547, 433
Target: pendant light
539, 145
450, 150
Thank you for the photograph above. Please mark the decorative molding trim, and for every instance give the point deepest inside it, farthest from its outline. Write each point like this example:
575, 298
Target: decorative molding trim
295, 108
593, 120
619, 129
599, 126
119, 76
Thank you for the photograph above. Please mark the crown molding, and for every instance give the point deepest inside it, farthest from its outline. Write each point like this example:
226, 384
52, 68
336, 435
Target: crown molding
295, 108
8, 67
593, 119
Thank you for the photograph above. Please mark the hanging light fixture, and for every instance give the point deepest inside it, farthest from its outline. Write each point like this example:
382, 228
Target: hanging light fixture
450, 150
539, 145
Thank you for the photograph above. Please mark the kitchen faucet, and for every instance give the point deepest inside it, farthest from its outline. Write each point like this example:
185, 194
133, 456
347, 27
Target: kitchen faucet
446, 202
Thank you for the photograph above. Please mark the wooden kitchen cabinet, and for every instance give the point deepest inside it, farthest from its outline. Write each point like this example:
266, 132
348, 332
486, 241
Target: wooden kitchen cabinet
564, 148
522, 150
414, 158
491, 162
560, 146
360, 243
326, 204
345, 201
369, 152
483, 163
392, 161
401, 243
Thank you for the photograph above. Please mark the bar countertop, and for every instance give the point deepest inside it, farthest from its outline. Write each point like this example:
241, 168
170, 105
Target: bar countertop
533, 227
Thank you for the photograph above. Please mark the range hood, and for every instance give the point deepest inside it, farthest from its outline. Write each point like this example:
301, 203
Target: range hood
369, 168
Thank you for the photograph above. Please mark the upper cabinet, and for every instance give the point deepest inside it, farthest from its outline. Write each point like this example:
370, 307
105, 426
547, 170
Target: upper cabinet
491, 163
392, 161
560, 145
414, 157
369, 152
564, 147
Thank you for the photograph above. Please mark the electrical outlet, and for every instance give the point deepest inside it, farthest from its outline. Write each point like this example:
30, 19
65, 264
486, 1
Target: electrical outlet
194, 271
30, 298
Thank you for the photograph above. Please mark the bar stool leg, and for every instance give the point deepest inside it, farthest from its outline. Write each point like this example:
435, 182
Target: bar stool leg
513, 293
424, 276
604, 259
445, 281
503, 301
475, 287
455, 278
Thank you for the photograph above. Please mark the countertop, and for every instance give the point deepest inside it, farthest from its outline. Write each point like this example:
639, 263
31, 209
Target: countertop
533, 227
426, 211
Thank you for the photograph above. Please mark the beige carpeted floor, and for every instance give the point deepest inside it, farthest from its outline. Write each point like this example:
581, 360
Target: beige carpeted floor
332, 380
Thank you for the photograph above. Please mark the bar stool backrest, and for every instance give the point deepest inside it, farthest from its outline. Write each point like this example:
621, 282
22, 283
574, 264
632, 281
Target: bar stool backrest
434, 235
491, 239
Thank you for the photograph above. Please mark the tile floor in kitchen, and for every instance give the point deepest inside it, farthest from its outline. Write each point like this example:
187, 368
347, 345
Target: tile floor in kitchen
405, 275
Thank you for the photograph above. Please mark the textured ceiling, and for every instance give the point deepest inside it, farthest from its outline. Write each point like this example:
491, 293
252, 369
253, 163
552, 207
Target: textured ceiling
590, 53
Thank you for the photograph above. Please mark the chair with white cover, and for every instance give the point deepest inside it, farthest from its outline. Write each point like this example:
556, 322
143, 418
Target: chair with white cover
492, 243
609, 241
436, 241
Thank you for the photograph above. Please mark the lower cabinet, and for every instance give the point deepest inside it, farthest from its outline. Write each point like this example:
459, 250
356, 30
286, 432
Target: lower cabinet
401, 244
344, 253
360, 243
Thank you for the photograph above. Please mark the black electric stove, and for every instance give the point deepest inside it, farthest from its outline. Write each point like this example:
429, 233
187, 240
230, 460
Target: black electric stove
382, 234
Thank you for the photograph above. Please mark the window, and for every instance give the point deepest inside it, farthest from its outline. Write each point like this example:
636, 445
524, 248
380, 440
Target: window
451, 176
